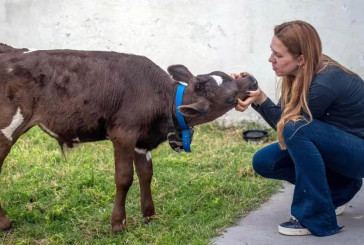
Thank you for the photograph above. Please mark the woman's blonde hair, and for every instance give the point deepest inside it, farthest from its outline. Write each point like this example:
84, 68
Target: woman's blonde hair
300, 38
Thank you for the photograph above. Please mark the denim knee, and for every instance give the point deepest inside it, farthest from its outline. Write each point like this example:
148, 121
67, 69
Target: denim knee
274, 163
261, 165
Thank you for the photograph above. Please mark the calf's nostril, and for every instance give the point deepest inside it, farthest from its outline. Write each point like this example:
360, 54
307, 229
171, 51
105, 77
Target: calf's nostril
254, 83
252, 79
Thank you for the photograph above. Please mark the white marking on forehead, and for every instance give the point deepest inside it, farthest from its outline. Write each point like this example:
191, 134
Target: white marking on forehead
15, 123
48, 131
218, 79
147, 154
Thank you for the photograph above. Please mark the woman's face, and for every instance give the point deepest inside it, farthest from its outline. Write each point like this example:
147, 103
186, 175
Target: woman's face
283, 63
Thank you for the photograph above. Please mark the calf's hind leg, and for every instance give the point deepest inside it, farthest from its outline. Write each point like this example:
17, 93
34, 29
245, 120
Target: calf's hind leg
144, 169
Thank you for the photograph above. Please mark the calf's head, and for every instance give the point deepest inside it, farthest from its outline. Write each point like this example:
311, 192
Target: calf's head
209, 96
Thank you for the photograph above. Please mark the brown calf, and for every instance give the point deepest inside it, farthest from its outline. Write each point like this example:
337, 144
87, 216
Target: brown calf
83, 96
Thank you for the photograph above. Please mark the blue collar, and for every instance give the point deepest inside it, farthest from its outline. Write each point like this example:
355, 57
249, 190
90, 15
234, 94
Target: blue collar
186, 137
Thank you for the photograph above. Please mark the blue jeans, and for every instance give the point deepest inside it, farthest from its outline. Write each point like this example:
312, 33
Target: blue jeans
326, 165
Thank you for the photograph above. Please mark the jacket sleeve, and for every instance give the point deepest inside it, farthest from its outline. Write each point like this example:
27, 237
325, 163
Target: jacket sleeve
270, 112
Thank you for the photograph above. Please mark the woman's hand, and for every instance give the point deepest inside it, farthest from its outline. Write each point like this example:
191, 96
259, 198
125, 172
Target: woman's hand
256, 96
240, 75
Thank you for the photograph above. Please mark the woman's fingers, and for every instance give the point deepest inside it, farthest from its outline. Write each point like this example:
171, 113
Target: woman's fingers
244, 74
243, 105
240, 75
247, 102
239, 107
255, 93
235, 75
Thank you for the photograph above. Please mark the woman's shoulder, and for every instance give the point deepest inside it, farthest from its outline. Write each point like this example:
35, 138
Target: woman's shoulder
332, 73
336, 80
331, 70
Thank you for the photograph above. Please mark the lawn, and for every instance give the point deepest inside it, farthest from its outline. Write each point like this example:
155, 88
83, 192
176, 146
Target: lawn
55, 200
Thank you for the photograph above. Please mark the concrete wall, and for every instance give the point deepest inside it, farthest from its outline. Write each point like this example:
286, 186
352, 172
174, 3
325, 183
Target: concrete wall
226, 35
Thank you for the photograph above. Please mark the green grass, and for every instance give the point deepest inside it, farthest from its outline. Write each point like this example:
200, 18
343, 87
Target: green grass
52, 200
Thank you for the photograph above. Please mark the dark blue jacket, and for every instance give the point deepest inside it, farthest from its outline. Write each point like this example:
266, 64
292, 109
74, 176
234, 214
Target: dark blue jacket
334, 97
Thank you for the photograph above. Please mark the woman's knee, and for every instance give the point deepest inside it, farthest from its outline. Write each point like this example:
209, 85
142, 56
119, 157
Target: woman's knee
261, 163
273, 162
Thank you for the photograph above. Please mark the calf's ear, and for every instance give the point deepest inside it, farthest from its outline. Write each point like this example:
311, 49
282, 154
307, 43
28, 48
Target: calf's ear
195, 109
180, 73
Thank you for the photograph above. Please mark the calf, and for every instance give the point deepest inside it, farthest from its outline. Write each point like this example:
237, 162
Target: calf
84, 96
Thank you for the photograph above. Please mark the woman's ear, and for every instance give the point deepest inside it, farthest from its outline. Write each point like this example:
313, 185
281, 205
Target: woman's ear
300, 60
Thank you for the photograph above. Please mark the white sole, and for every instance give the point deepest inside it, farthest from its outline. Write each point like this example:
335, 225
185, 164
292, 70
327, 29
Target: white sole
293, 232
340, 210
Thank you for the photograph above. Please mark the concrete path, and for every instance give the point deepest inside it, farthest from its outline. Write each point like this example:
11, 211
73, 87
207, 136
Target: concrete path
260, 227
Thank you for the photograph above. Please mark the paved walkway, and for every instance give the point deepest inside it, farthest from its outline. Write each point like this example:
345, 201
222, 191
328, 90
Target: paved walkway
260, 227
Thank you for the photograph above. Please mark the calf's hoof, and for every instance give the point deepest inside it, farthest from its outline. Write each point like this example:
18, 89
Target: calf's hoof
118, 227
9, 230
148, 212
148, 219
5, 224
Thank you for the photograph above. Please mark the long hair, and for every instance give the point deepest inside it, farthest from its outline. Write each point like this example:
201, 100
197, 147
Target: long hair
300, 38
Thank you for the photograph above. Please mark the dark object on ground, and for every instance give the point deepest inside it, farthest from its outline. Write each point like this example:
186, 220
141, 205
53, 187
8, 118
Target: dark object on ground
255, 136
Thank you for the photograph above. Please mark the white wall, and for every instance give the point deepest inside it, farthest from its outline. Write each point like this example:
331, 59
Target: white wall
226, 35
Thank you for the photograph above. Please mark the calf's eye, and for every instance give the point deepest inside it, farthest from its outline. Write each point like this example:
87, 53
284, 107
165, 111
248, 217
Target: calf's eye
231, 99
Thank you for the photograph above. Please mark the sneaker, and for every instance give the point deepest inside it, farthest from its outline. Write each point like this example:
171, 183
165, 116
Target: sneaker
339, 210
293, 228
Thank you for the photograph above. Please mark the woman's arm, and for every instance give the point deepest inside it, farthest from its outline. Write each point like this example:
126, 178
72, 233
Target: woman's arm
270, 112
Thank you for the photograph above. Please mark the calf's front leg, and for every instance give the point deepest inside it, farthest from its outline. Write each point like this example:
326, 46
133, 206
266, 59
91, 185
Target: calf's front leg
5, 223
5, 146
123, 154
144, 169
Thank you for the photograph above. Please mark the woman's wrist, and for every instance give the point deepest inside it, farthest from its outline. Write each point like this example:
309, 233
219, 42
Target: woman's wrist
261, 98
